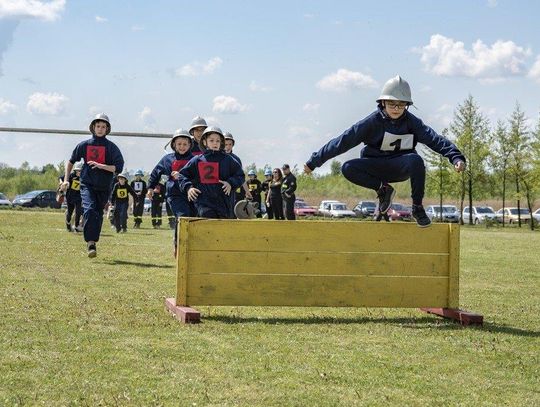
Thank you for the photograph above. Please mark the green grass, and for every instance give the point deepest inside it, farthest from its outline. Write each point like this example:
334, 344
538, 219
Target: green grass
76, 331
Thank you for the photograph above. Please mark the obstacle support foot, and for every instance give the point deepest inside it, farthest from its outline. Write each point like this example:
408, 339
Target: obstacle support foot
185, 315
463, 317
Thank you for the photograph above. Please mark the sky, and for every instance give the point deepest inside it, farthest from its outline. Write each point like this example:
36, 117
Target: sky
283, 77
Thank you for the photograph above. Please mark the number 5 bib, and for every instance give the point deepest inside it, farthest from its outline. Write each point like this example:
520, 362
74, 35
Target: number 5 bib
208, 172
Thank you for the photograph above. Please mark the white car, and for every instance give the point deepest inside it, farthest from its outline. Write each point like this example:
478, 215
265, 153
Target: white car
449, 213
4, 201
337, 210
479, 214
513, 215
536, 215
324, 207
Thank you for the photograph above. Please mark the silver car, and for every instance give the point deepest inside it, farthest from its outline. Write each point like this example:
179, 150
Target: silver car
449, 213
480, 214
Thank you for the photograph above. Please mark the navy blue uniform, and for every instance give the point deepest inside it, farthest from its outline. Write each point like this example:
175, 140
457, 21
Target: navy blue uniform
204, 173
237, 194
73, 199
96, 183
140, 189
389, 154
287, 190
120, 200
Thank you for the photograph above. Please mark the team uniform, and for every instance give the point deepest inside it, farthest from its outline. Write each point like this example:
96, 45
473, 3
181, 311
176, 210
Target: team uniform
73, 200
95, 184
266, 189
204, 172
140, 188
120, 200
158, 198
255, 188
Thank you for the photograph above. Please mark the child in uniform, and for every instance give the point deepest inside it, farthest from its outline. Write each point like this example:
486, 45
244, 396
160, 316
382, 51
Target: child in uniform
209, 179
390, 135
73, 198
157, 195
102, 158
120, 200
139, 186
255, 188
266, 190
198, 125
169, 166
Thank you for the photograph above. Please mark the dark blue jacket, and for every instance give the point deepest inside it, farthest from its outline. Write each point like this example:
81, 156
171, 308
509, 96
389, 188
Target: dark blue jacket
384, 137
101, 150
196, 149
198, 175
169, 163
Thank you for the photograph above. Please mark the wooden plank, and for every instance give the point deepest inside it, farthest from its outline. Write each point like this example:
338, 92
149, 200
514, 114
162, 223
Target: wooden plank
453, 267
463, 317
313, 263
323, 291
183, 314
328, 236
182, 261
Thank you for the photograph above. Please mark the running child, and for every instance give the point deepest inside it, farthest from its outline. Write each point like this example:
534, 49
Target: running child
120, 201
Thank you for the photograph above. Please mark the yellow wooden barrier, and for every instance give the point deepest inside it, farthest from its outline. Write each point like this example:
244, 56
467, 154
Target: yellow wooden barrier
315, 264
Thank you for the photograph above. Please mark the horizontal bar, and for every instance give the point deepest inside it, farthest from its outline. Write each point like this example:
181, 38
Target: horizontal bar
82, 132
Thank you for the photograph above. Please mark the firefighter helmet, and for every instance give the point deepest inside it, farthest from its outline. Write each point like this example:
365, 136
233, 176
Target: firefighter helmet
197, 121
101, 117
396, 88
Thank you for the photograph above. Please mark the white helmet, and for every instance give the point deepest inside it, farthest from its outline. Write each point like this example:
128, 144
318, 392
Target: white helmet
210, 130
396, 88
229, 136
197, 121
180, 133
101, 117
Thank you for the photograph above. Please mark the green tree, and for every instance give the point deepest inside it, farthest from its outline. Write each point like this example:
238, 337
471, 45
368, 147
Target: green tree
335, 167
500, 158
471, 132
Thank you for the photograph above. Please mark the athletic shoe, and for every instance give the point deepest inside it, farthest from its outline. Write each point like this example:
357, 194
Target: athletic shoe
418, 213
386, 195
79, 229
68, 227
92, 252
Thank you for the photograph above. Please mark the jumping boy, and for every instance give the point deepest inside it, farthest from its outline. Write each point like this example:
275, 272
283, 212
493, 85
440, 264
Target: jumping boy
73, 198
120, 200
209, 179
139, 186
390, 135
169, 166
102, 158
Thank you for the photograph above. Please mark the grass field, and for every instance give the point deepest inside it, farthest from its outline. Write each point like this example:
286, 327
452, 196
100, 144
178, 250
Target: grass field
79, 331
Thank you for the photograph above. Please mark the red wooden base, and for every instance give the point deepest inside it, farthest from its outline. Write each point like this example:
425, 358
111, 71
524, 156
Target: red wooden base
183, 314
458, 315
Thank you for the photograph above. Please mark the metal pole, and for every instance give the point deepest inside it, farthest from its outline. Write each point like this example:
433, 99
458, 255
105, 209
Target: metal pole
83, 132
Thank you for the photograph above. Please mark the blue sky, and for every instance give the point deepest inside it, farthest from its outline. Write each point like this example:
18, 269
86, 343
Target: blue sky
283, 77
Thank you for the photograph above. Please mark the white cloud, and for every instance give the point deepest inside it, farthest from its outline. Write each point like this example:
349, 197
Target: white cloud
100, 19
309, 16
137, 28
492, 3
445, 57
197, 68
296, 131
228, 104
48, 11
147, 118
255, 87
442, 116
311, 107
47, 103
344, 79
534, 73
6, 107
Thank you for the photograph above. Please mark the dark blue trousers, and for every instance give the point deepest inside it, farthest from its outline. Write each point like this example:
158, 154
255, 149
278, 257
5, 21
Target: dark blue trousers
121, 215
93, 203
371, 172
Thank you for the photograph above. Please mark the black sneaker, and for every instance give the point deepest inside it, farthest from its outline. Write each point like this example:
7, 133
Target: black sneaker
386, 195
68, 227
419, 214
92, 252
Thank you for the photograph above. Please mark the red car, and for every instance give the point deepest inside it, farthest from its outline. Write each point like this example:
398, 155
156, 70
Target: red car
399, 211
303, 209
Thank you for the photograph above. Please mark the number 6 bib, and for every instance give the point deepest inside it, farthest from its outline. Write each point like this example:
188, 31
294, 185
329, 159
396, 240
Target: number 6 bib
208, 172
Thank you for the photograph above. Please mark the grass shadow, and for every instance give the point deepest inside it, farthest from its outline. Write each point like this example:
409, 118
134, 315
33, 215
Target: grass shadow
137, 264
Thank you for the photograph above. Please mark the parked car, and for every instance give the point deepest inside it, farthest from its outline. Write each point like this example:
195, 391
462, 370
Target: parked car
536, 215
4, 201
147, 205
336, 209
449, 213
324, 207
39, 199
365, 209
479, 214
511, 215
303, 209
398, 211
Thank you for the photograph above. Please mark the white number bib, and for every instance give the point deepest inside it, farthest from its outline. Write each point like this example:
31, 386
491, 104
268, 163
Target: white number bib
137, 186
396, 142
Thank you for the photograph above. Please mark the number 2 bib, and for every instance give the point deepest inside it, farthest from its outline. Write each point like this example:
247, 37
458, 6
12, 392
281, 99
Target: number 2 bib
208, 172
